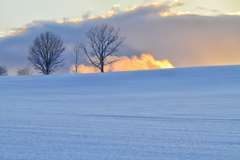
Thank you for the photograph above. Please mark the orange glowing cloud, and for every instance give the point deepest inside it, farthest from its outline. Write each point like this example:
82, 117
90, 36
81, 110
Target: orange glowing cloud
171, 13
145, 62
134, 8
234, 14
1, 34
110, 14
155, 4
18, 31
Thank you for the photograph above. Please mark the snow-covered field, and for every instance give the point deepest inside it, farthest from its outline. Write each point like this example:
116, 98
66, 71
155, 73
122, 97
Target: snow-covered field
182, 113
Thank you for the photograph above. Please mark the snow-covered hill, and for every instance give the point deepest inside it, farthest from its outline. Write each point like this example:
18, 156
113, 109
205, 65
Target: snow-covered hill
182, 113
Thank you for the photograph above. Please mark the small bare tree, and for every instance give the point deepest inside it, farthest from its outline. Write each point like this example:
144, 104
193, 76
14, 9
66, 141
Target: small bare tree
3, 71
24, 71
104, 41
46, 53
77, 49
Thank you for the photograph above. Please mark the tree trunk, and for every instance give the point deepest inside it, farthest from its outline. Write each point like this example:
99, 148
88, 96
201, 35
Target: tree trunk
102, 62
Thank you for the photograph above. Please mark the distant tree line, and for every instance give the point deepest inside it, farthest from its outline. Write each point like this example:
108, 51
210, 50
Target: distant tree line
46, 52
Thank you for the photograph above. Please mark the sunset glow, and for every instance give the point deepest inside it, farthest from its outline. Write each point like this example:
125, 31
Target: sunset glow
234, 14
145, 62
172, 13
18, 31
185, 32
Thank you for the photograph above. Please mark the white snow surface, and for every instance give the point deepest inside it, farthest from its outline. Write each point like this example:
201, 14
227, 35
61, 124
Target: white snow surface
181, 113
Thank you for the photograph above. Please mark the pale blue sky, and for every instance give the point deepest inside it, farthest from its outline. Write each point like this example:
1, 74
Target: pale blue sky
17, 13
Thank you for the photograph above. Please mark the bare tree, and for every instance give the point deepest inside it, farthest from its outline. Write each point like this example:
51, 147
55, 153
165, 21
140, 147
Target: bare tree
46, 53
104, 41
77, 49
3, 71
23, 71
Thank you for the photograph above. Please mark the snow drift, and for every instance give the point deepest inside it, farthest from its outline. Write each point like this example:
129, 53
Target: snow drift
181, 113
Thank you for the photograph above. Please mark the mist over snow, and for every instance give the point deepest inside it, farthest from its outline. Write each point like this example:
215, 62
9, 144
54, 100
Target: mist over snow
184, 40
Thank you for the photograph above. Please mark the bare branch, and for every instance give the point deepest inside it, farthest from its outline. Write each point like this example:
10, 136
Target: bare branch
104, 41
23, 71
77, 48
3, 71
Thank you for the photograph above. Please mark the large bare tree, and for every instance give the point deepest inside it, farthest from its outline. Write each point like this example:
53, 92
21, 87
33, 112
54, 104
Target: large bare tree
104, 41
3, 71
46, 53
24, 71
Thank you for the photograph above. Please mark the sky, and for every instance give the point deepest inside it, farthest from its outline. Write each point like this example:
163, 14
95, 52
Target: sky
186, 33
16, 13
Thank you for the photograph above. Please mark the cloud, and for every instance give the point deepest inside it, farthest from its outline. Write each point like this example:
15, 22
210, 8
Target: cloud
183, 39
34, 24
234, 14
116, 8
145, 62
172, 13
87, 14
1, 34
65, 20
207, 11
